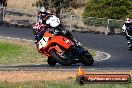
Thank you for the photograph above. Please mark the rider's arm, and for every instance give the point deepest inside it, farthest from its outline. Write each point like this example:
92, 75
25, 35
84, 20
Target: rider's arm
124, 27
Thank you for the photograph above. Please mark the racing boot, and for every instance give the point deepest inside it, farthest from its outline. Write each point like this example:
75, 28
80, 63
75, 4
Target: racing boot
129, 45
69, 35
76, 42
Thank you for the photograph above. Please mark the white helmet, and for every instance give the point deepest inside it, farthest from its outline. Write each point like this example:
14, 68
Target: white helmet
128, 20
53, 21
42, 9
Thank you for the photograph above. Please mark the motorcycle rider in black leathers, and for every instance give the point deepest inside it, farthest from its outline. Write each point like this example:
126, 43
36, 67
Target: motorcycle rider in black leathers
43, 16
127, 28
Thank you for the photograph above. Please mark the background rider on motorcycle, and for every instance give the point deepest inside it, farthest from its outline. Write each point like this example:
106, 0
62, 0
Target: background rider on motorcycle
43, 15
127, 28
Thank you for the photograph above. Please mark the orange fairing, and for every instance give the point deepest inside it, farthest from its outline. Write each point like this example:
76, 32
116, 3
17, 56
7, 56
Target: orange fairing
54, 42
56, 48
60, 40
63, 41
47, 34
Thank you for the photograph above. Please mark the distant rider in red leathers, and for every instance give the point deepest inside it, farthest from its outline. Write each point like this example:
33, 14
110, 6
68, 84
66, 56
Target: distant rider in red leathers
41, 26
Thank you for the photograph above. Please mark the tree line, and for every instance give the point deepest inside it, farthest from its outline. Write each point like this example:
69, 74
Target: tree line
112, 9
60, 5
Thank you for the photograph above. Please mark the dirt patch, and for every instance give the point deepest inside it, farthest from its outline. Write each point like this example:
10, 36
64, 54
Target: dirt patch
21, 4
22, 76
16, 40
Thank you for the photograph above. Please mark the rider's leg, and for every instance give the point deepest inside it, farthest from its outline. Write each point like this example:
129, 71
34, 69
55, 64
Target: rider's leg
41, 33
70, 36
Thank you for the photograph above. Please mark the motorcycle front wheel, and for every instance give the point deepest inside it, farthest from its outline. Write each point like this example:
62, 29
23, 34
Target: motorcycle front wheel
51, 61
86, 58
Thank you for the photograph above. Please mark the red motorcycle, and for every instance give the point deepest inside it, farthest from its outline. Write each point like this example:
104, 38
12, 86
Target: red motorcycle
63, 50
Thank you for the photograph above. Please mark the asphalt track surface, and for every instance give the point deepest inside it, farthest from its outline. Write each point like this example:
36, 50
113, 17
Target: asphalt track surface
115, 45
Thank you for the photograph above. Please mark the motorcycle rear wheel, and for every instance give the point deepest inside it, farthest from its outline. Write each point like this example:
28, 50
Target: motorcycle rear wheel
64, 62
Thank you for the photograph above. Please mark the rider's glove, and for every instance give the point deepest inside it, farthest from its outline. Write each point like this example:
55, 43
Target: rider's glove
64, 31
56, 32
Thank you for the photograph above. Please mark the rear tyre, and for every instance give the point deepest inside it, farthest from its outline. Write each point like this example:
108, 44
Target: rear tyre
87, 59
65, 62
51, 61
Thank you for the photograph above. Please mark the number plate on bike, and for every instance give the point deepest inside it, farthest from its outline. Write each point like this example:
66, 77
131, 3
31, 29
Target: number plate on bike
43, 42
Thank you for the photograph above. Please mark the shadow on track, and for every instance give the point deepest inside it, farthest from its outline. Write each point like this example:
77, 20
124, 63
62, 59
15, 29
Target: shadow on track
45, 66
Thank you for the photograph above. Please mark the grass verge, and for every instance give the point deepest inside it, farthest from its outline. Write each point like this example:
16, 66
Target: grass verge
60, 84
13, 51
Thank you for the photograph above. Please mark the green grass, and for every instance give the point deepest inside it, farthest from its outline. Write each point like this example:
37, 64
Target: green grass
17, 52
58, 84
92, 52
